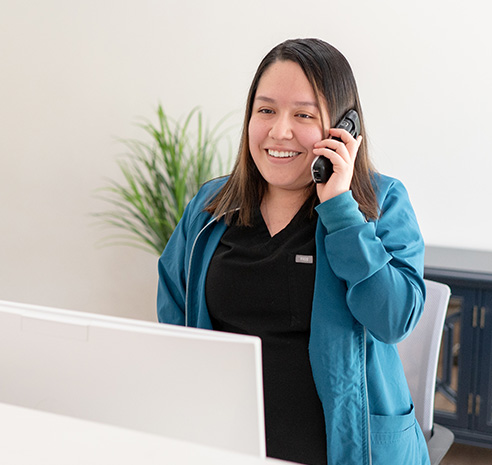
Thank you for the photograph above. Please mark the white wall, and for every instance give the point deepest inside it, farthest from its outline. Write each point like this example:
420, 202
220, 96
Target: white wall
74, 76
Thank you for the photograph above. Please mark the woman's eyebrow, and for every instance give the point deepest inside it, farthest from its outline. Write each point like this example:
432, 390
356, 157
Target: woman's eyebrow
300, 103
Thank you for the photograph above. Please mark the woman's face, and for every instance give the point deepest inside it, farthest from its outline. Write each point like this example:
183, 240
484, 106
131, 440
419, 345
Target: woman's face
284, 126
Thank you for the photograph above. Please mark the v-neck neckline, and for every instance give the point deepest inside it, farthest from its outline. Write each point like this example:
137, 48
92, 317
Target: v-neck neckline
260, 221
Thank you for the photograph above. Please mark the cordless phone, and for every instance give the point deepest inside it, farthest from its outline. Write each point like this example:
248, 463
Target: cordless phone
322, 168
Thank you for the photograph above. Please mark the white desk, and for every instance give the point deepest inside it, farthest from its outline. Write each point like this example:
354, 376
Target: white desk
38, 438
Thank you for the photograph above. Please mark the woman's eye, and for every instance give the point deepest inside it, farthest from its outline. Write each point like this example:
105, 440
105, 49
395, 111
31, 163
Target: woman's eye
265, 111
304, 116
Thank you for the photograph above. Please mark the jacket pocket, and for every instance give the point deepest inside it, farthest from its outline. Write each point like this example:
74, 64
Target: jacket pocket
395, 439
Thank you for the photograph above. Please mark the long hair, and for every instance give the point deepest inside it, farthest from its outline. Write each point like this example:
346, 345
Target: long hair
332, 79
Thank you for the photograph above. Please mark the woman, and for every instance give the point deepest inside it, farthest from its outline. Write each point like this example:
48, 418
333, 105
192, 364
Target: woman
329, 275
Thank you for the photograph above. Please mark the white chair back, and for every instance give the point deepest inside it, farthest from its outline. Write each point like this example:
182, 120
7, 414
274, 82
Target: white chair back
419, 353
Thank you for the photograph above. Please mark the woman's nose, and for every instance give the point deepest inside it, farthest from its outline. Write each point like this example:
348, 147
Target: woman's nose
281, 128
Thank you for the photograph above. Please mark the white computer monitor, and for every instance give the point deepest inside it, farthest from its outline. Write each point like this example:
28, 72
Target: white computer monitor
184, 383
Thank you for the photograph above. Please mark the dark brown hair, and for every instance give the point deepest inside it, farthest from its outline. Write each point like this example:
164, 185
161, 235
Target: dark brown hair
332, 78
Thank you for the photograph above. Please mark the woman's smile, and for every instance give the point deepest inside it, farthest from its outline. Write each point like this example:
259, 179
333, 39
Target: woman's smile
282, 154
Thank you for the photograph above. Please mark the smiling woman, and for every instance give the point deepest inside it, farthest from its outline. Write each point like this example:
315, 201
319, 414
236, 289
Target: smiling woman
329, 276
322, 86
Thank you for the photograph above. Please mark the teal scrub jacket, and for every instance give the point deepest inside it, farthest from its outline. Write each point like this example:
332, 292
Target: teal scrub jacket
369, 294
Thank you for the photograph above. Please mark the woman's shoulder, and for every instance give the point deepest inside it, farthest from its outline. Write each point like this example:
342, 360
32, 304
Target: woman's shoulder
207, 192
195, 215
394, 202
384, 182
211, 188
388, 186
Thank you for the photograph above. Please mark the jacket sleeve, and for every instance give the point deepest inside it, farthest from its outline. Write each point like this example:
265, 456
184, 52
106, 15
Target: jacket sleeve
380, 261
171, 288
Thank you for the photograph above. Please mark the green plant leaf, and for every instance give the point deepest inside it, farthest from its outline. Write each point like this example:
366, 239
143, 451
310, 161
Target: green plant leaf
161, 175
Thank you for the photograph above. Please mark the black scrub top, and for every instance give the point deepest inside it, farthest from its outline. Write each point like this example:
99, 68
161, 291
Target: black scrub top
263, 286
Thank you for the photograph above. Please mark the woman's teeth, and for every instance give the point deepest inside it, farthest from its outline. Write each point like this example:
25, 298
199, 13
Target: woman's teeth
277, 154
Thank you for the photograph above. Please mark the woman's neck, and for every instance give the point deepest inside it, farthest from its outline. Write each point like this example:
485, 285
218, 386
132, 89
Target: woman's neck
278, 207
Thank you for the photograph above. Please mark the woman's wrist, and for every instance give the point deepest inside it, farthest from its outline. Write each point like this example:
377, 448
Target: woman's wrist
340, 212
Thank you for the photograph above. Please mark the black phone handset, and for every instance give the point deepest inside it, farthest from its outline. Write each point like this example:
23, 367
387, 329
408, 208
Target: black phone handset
322, 168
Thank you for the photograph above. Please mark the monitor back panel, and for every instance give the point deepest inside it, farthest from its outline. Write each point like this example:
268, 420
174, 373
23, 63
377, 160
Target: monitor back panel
184, 383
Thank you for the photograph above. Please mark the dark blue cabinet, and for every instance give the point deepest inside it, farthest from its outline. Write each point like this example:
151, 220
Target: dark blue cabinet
464, 386
483, 421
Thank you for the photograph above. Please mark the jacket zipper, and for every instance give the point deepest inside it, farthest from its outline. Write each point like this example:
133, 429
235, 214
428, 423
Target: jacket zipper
189, 266
368, 418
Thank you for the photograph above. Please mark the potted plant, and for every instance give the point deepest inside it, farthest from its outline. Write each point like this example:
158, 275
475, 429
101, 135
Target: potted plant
160, 177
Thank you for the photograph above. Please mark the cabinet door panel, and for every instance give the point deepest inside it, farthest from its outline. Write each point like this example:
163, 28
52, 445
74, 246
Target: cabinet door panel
455, 360
483, 400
